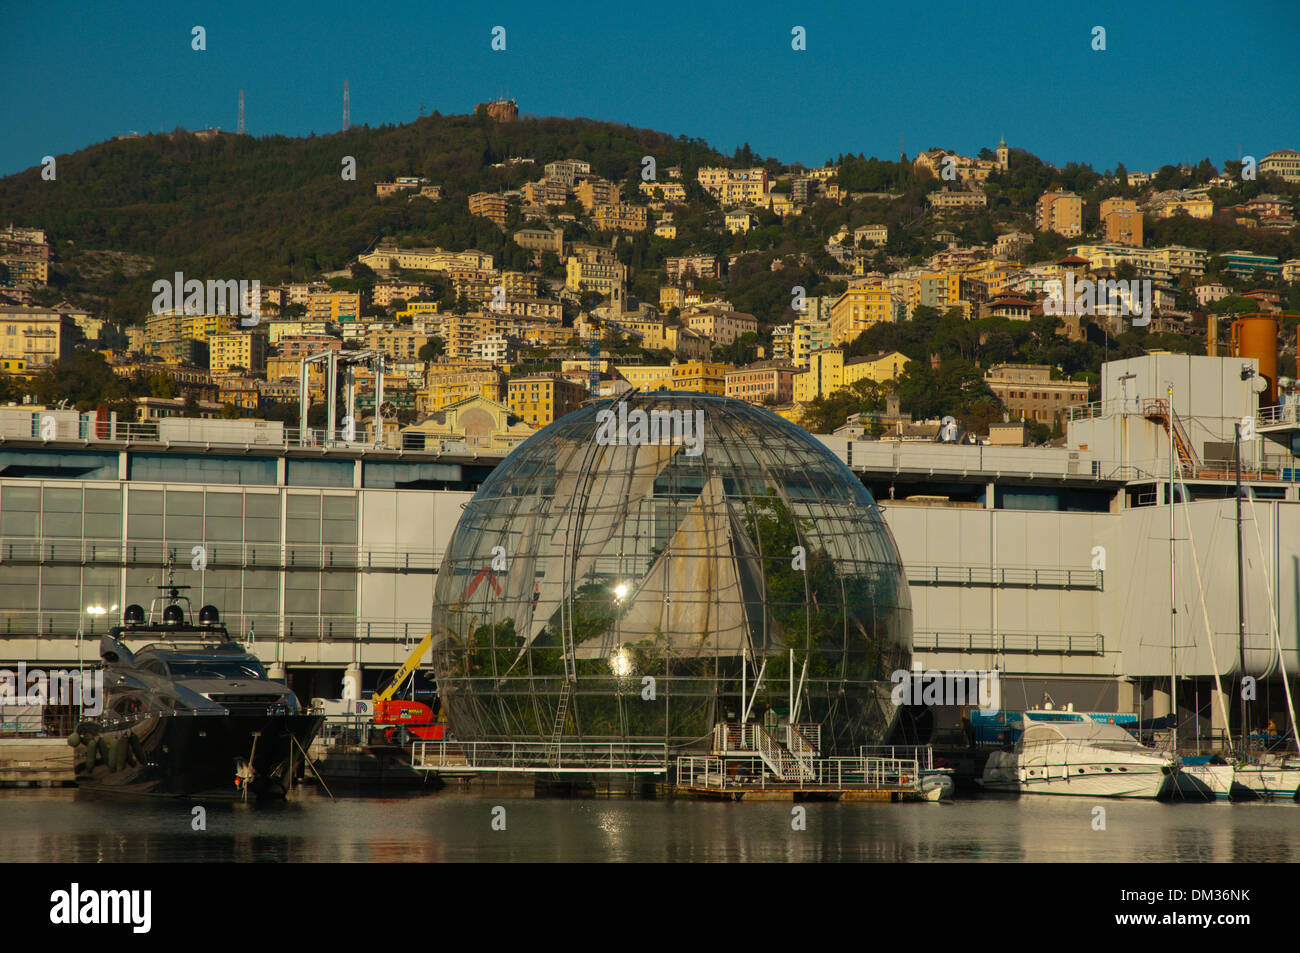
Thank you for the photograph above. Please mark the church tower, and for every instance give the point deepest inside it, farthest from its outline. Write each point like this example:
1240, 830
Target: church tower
1004, 155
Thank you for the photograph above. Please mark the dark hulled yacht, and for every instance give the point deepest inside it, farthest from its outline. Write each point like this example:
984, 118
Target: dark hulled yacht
190, 712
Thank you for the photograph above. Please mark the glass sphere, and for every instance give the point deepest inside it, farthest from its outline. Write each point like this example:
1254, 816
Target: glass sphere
643, 569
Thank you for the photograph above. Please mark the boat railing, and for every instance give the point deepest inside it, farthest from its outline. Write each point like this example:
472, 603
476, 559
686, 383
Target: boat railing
923, 755
543, 757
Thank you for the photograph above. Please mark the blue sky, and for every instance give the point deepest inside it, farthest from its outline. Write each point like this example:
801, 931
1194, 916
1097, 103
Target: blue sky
1178, 81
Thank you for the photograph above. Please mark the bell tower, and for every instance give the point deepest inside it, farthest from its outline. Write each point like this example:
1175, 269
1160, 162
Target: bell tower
1004, 155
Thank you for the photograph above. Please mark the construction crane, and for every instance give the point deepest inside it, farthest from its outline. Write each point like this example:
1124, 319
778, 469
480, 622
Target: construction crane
593, 345
408, 721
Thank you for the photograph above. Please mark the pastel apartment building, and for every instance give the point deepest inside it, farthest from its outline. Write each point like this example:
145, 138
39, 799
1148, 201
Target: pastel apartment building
389, 257
620, 218
567, 171
761, 382
1122, 221
857, 309
1029, 393
1284, 163
26, 255
1060, 212
701, 266
237, 349
335, 306
36, 336
720, 325
489, 205
735, 186
540, 399
595, 191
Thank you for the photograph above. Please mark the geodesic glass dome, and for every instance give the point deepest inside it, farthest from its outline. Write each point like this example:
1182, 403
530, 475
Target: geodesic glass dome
592, 558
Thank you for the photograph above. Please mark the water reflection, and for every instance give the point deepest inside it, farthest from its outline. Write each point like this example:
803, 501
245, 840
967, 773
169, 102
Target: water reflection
60, 825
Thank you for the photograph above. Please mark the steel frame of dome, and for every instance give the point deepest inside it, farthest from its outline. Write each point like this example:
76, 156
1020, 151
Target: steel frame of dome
632, 592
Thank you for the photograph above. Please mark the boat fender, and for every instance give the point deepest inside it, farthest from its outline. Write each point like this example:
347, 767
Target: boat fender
137, 749
74, 739
117, 754
94, 748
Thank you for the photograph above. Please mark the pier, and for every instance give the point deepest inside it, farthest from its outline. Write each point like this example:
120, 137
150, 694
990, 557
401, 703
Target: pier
744, 762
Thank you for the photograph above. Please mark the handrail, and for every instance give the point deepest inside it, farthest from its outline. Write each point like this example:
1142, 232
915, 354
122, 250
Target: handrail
1060, 643
1034, 577
218, 554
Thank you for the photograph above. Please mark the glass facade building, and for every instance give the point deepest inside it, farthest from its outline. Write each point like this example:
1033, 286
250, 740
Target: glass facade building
639, 571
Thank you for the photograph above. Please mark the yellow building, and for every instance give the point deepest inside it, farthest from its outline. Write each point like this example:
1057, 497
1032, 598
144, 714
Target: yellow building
280, 368
246, 349
445, 384
664, 191
398, 344
484, 424
334, 306
37, 336
386, 257
607, 278
829, 371
738, 223
542, 398
701, 377
242, 392
197, 327
488, 205
596, 191
621, 217
858, 309
1060, 212
1122, 220
735, 186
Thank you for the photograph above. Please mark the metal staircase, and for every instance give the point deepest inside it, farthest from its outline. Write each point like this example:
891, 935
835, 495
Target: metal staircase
783, 763
1157, 409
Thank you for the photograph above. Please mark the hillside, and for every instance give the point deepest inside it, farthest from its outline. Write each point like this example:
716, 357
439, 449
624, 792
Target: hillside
276, 208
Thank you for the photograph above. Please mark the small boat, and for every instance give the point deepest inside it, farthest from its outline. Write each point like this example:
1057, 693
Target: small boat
191, 713
937, 784
1088, 758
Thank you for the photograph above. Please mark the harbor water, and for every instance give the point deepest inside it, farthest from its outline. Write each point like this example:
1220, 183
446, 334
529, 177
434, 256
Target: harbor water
508, 824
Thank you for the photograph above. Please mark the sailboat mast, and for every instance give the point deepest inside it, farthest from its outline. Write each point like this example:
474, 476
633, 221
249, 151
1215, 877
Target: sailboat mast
1173, 595
1241, 584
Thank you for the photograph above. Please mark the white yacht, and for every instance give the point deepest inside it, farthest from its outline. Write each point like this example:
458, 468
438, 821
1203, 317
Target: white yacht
1086, 759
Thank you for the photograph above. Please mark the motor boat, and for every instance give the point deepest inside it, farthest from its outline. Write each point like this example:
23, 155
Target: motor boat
189, 713
1086, 758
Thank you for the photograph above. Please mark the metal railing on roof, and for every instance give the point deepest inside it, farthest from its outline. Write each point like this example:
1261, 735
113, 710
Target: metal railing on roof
1009, 577
219, 555
1030, 643
239, 434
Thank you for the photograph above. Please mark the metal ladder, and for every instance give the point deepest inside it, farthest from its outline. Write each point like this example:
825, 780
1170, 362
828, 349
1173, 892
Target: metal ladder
561, 715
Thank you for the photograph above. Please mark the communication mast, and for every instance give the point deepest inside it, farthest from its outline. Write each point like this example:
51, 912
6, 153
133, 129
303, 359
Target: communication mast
345, 105
241, 112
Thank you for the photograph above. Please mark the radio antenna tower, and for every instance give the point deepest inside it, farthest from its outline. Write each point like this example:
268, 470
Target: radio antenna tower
241, 112
345, 105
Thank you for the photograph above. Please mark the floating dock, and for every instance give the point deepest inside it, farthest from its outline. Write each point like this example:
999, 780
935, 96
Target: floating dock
745, 762
36, 762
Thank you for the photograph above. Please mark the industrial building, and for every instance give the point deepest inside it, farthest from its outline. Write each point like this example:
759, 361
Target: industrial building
1050, 565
